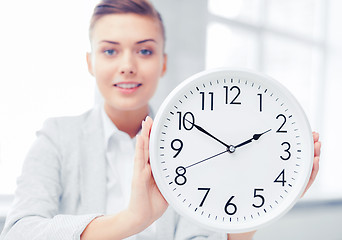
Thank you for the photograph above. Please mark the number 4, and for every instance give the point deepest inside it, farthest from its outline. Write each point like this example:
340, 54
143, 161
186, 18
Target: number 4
281, 176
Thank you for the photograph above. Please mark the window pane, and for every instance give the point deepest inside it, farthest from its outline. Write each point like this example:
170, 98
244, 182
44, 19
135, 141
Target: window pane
43, 74
244, 10
292, 63
294, 16
331, 169
334, 31
333, 131
230, 47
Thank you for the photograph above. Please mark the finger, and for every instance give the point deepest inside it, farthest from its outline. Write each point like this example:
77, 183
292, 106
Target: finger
314, 172
143, 128
146, 126
315, 168
146, 150
139, 153
147, 131
145, 137
149, 123
315, 136
317, 149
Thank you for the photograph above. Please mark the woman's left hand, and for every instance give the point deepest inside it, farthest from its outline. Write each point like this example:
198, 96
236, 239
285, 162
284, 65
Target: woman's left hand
315, 167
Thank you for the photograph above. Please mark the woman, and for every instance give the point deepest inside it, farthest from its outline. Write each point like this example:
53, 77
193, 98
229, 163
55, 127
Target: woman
82, 178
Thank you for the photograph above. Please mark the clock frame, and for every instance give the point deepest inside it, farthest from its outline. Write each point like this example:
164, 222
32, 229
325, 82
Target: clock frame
231, 150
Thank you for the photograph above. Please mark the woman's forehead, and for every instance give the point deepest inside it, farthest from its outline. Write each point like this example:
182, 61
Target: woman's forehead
126, 26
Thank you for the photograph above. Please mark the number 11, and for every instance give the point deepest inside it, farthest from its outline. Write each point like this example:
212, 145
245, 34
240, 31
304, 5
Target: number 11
212, 100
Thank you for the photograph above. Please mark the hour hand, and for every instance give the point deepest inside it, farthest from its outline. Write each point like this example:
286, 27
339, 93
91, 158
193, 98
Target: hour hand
209, 134
255, 137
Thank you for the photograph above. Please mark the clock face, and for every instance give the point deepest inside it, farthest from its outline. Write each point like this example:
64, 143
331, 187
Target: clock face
231, 150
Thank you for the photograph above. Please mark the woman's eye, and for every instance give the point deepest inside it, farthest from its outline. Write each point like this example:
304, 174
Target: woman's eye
110, 52
145, 52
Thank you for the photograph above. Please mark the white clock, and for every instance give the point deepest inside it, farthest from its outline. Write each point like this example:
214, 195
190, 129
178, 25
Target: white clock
231, 150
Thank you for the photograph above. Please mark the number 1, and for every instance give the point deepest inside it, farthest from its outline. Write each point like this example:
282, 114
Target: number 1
260, 101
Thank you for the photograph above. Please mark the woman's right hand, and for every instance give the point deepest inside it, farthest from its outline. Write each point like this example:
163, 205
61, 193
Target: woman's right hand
146, 203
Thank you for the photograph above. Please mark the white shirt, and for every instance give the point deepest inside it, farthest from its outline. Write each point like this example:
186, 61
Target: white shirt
120, 150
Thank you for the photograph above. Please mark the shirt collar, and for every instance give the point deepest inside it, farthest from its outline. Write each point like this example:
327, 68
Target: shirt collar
109, 127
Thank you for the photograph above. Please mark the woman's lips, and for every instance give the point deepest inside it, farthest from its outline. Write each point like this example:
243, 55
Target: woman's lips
127, 87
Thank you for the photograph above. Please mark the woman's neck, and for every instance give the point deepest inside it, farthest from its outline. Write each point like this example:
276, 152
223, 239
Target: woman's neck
127, 121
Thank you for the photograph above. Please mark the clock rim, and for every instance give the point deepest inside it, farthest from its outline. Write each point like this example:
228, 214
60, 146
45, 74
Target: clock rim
165, 191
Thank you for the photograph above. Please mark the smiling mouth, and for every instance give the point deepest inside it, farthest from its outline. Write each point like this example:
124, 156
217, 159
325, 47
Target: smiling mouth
127, 85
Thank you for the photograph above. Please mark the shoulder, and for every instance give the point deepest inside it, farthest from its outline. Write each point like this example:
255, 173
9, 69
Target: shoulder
72, 124
68, 129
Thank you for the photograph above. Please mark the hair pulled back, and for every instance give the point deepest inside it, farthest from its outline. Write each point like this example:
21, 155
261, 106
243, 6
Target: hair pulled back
140, 7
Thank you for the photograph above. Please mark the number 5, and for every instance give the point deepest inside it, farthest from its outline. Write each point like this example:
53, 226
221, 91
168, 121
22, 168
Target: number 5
259, 196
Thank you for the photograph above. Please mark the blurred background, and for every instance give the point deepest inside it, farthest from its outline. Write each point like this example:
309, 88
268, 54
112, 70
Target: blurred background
43, 74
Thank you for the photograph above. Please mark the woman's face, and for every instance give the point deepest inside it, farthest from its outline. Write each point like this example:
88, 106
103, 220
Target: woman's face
127, 59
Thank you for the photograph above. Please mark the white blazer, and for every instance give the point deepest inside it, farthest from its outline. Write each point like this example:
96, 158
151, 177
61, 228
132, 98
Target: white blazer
62, 187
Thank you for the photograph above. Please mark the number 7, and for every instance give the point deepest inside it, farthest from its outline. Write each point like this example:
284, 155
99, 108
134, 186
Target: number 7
205, 196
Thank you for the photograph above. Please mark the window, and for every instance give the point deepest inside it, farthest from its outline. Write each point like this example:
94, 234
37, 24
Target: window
298, 42
34, 82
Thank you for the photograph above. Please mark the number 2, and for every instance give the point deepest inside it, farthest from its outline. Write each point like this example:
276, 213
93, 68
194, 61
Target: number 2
282, 125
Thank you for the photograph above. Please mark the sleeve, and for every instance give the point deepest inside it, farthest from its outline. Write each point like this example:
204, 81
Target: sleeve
34, 212
186, 230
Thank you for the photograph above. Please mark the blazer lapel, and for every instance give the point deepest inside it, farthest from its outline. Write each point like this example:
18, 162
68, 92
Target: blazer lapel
93, 165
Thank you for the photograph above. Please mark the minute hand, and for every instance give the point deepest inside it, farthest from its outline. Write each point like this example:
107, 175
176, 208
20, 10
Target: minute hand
255, 137
207, 133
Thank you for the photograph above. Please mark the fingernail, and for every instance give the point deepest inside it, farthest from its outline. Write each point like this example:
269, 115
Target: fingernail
146, 118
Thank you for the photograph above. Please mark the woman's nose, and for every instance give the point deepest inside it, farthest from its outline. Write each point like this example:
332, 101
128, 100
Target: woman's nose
128, 66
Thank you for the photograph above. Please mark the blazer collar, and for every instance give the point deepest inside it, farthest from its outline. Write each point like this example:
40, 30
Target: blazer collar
93, 164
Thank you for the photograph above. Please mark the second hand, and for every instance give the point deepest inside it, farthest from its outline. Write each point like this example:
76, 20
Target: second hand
206, 159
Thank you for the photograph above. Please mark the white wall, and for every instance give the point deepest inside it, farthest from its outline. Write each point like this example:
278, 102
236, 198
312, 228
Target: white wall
185, 23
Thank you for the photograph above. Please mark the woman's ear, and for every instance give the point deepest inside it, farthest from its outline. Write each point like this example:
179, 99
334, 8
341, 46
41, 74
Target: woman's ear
164, 64
90, 63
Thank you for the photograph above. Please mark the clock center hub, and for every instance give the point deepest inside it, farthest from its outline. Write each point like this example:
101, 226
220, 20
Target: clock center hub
231, 149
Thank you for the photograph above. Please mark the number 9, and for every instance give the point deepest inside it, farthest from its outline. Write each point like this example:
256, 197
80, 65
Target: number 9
175, 148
